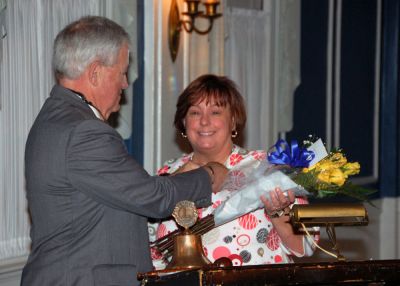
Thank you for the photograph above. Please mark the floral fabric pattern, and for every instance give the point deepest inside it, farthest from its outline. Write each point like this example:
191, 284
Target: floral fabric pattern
247, 240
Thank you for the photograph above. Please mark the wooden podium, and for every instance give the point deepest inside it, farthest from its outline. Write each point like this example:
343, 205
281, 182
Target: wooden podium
373, 272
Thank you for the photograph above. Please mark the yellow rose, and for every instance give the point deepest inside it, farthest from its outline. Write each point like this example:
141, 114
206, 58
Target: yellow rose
350, 169
323, 176
333, 176
338, 159
306, 170
337, 177
324, 165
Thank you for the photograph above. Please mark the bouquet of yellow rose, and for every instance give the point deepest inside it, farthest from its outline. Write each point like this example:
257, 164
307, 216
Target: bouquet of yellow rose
320, 173
329, 177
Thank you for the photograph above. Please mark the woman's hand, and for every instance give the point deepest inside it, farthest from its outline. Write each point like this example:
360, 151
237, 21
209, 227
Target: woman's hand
279, 203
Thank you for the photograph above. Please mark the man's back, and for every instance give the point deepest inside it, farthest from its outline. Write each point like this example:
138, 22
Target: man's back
82, 236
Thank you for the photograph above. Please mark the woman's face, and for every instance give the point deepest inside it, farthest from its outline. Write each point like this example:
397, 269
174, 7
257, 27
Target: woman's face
209, 128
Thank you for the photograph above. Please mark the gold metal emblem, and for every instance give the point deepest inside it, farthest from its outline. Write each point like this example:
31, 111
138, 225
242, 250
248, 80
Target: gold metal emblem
185, 214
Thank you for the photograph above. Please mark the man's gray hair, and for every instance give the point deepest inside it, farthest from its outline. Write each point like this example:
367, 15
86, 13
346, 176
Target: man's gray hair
89, 39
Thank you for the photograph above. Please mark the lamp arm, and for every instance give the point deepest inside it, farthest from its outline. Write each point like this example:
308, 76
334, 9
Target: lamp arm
189, 26
206, 31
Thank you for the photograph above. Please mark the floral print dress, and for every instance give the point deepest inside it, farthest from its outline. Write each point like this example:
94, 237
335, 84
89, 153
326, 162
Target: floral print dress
248, 240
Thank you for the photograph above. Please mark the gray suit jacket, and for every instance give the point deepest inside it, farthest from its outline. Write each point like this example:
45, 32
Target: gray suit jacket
89, 200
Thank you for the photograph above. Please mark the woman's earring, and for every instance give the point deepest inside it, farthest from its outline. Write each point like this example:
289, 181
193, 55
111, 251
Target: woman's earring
234, 133
183, 133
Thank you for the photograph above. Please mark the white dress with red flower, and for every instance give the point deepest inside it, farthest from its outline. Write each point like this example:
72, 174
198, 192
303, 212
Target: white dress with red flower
247, 240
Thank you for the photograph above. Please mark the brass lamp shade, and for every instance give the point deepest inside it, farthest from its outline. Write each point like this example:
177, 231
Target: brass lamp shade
339, 214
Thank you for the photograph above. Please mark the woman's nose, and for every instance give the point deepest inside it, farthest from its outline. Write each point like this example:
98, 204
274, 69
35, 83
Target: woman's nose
204, 120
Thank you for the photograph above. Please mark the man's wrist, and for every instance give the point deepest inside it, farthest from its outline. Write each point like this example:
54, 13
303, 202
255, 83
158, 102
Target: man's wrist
210, 172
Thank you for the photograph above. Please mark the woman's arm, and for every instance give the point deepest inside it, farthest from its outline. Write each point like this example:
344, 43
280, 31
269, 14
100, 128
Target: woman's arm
277, 203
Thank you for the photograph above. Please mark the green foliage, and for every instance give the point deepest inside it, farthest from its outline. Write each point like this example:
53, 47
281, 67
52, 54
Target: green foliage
310, 182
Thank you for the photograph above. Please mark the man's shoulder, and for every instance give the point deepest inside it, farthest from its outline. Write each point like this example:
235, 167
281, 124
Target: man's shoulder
59, 118
64, 108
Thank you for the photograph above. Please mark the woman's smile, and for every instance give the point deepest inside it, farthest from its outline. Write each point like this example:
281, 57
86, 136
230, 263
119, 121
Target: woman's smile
208, 133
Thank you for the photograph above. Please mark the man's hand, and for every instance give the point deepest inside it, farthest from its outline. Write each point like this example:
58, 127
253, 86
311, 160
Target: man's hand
217, 174
189, 166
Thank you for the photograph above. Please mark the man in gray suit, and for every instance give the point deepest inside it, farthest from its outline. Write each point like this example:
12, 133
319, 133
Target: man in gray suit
88, 199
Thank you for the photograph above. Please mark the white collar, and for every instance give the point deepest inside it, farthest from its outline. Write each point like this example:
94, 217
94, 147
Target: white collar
94, 109
96, 112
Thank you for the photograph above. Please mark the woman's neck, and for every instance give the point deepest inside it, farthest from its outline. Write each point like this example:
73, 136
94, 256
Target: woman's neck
203, 158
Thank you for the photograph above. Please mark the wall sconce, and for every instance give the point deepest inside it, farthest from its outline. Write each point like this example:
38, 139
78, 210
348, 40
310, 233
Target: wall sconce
175, 23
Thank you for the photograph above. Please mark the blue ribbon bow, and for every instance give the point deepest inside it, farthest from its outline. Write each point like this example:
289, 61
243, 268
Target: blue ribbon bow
292, 155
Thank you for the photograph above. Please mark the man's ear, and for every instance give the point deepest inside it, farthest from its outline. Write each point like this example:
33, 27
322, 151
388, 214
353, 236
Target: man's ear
94, 71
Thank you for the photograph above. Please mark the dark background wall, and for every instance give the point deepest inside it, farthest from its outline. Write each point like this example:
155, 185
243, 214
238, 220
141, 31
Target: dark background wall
359, 108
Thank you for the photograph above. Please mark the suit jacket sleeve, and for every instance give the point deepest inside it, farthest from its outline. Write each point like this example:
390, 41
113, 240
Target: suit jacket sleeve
99, 166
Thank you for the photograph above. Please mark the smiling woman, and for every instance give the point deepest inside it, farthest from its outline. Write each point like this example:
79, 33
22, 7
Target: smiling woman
210, 114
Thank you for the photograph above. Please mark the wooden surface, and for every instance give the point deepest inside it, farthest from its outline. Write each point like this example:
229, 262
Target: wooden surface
373, 272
